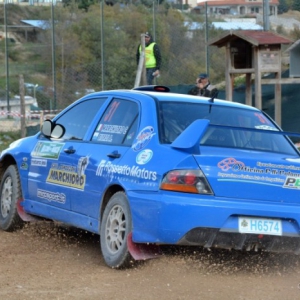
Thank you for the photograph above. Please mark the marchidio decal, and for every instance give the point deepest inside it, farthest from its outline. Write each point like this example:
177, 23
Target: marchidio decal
69, 176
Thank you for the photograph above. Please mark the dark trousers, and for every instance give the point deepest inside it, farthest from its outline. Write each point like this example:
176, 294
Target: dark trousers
149, 75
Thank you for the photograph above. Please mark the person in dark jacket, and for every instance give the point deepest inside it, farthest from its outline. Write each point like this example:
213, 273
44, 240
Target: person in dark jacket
152, 58
204, 87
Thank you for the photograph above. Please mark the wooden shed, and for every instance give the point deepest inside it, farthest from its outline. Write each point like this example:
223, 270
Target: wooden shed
253, 52
294, 52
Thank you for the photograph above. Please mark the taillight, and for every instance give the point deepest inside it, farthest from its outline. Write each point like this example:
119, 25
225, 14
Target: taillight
187, 181
173, 176
190, 178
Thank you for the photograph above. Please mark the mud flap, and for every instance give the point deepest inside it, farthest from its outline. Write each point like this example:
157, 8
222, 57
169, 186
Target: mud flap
142, 251
25, 216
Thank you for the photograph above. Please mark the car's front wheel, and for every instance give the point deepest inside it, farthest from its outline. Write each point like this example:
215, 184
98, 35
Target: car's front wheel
10, 192
115, 226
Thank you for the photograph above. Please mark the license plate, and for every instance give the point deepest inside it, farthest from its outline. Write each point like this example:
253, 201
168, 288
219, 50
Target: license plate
260, 226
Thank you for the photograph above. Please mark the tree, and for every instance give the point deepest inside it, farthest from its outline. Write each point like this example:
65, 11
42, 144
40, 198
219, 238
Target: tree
81, 4
296, 5
283, 6
79, 56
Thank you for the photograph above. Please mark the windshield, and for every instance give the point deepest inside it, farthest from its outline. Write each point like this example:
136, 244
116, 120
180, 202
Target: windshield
252, 129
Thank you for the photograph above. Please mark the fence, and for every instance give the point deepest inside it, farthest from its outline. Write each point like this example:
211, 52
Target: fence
11, 120
70, 52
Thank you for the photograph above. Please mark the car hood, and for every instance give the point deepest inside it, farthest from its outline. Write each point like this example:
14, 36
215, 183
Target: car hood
253, 176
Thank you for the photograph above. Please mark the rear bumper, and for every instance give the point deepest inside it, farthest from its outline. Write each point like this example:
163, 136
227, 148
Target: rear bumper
177, 218
213, 238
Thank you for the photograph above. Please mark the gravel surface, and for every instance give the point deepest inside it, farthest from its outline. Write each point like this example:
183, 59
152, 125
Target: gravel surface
47, 261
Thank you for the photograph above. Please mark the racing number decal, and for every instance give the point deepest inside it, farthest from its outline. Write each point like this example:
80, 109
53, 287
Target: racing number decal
111, 111
261, 118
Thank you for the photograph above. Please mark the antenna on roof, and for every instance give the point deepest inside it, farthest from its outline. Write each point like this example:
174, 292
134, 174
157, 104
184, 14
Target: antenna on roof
214, 94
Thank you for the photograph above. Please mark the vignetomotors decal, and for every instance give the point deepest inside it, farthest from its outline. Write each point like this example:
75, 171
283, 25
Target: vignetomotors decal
107, 168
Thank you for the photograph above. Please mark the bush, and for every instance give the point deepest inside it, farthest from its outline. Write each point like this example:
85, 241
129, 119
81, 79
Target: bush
6, 138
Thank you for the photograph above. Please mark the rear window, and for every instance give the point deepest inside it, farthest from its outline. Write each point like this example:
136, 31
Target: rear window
251, 128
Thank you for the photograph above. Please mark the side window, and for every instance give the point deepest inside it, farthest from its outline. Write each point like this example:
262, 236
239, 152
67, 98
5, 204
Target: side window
78, 119
118, 124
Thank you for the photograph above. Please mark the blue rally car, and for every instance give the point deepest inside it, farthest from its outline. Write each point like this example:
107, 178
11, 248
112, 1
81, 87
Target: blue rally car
147, 167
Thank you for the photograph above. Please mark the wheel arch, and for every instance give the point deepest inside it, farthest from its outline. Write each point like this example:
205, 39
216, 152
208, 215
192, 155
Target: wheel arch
107, 195
5, 162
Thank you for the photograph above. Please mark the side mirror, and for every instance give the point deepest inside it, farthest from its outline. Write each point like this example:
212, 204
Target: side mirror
58, 131
47, 128
51, 130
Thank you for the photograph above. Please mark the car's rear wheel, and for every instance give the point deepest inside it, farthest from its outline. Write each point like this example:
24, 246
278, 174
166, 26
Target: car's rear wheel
10, 192
115, 226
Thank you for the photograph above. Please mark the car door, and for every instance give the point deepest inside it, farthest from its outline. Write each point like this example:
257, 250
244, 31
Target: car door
109, 142
56, 169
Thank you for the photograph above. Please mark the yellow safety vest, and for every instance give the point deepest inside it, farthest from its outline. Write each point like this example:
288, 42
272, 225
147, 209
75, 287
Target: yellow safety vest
150, 61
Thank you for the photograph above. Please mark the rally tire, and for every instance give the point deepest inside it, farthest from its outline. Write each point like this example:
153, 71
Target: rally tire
115, 226
10, 192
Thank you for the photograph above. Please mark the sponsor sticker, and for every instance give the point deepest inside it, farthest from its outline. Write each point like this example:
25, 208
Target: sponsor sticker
51, 196
47, 150
107, 168
105, 138
292, 183
69, 176
24, 165
228, 163
116, 129
286, 175
143, 138
144, 157
39, 162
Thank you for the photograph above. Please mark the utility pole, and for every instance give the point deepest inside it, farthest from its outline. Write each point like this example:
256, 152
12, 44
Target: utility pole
206, 40
53, 59
22, 105
6, 59
266, 10
102, 44
206, 28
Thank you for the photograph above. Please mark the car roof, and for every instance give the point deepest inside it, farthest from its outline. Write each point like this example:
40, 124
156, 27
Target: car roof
172, 97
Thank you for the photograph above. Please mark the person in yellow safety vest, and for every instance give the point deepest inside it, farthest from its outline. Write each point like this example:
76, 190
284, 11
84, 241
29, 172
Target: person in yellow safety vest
152, 58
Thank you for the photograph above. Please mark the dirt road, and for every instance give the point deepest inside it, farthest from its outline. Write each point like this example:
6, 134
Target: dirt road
46, 261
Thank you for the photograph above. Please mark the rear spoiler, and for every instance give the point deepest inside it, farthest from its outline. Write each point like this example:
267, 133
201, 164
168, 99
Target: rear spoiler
189, 142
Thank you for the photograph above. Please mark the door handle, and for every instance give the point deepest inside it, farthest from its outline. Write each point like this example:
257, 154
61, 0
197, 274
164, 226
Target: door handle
114, 154
70, 150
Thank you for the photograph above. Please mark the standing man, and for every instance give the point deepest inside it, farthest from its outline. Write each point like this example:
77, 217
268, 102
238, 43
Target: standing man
152, 58
204, 87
